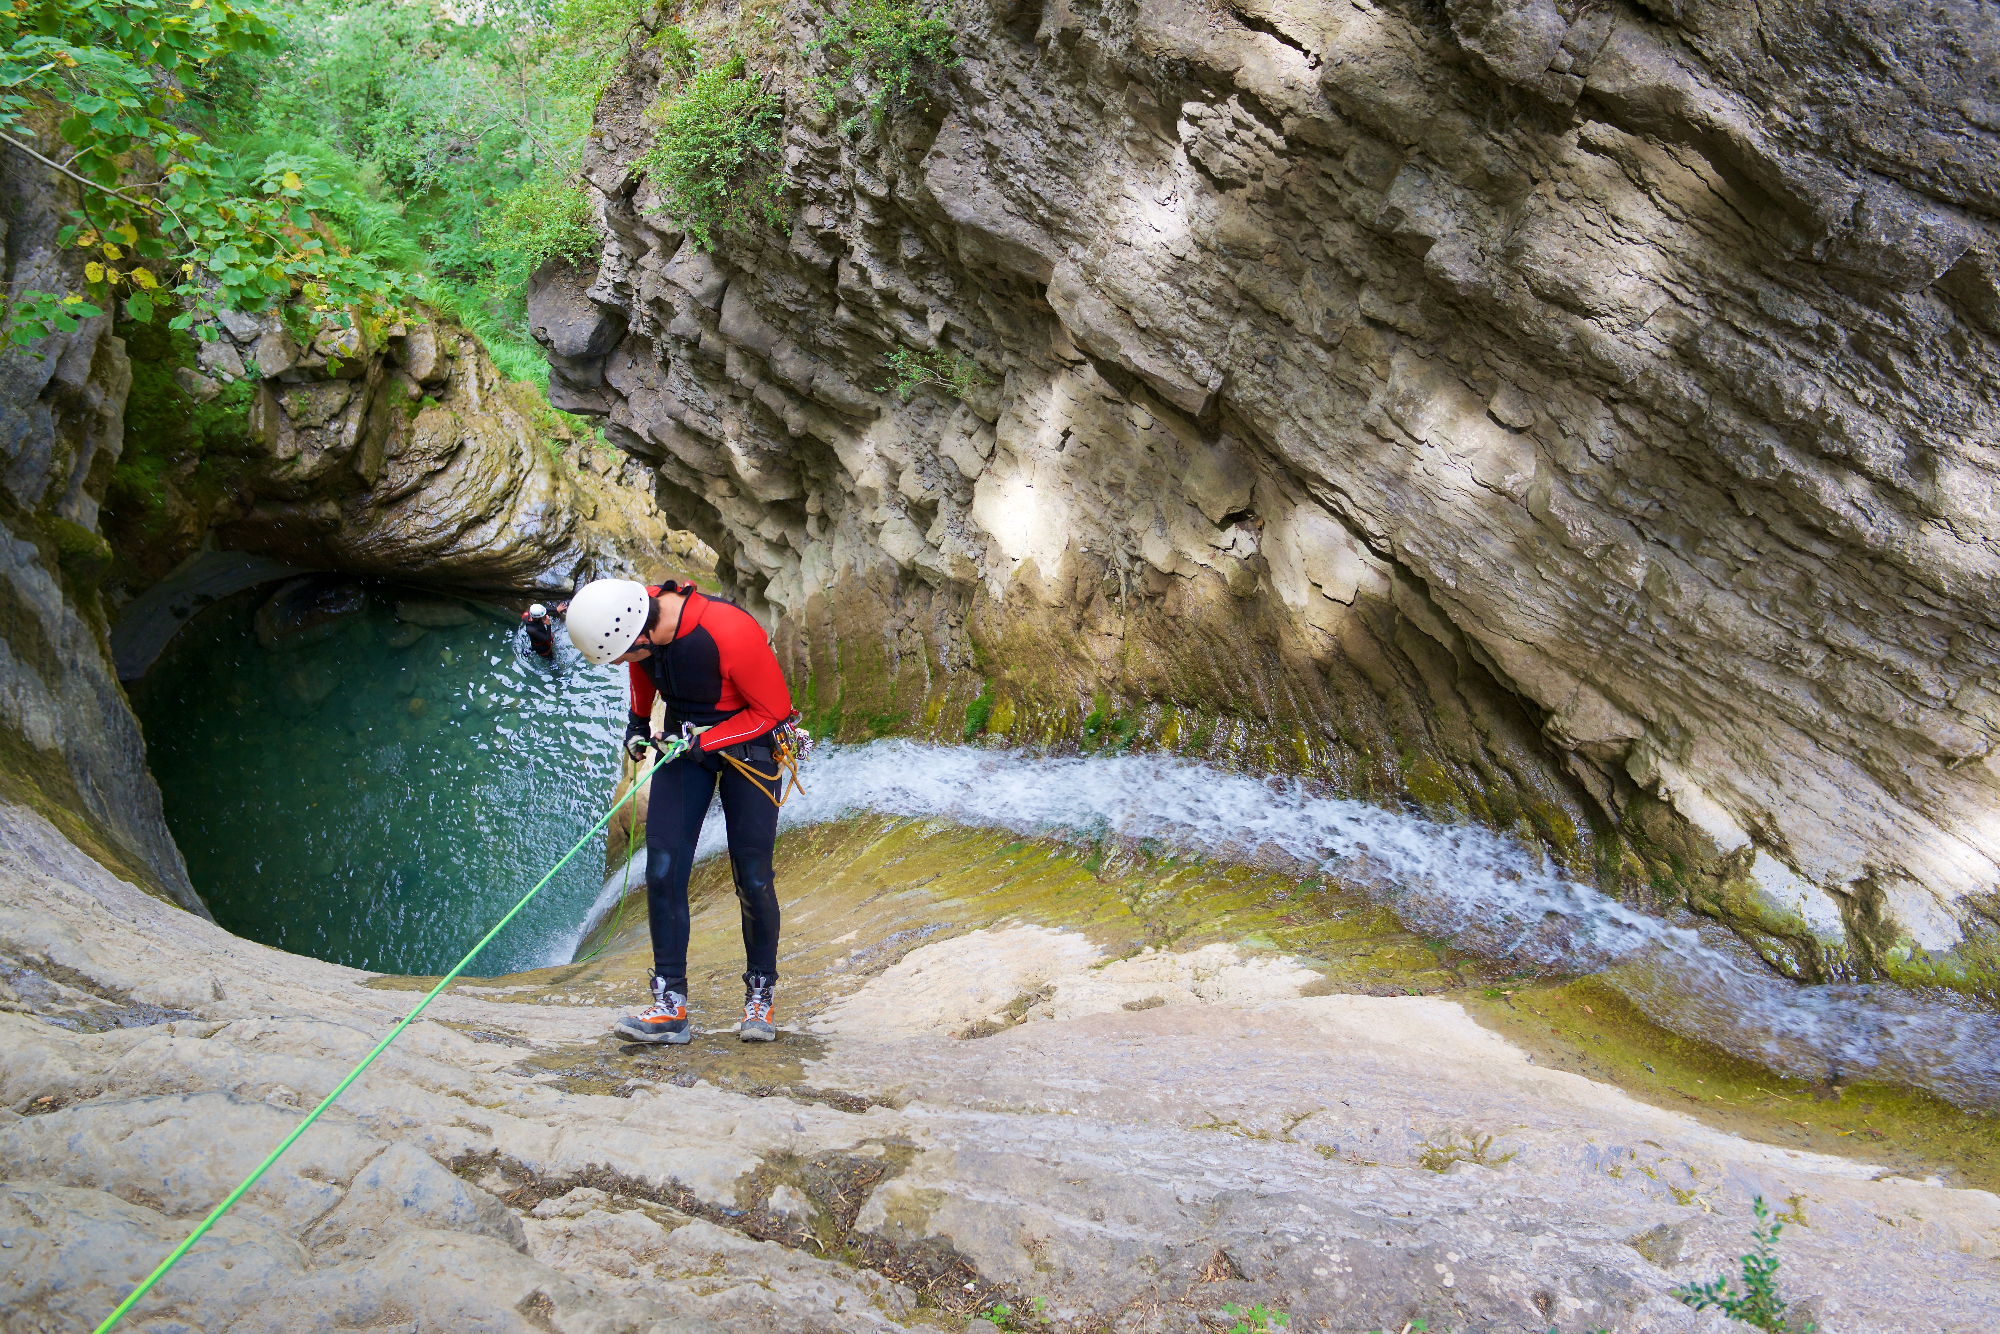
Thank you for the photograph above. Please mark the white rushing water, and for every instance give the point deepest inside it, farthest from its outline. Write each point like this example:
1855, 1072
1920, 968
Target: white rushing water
1482, 890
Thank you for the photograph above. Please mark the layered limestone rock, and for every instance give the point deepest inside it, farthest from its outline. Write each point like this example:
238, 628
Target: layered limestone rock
412, 458
1575, 417
69, 744
1144, 1150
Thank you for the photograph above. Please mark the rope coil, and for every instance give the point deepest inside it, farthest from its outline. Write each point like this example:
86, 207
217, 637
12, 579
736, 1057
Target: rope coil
787, 756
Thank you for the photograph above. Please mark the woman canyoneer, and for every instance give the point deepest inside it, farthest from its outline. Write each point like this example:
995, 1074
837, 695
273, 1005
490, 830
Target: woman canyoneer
710, 662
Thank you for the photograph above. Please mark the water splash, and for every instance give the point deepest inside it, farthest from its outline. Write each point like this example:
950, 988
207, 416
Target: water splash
1484, 891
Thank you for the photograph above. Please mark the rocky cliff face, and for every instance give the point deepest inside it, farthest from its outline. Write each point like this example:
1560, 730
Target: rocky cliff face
1576, 417
413, 457
69, 745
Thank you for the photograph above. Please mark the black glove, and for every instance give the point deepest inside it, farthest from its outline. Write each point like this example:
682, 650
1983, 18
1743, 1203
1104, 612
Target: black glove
638, 735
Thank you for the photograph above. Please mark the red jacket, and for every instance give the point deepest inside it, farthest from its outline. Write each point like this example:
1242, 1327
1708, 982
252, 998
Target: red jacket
719, 672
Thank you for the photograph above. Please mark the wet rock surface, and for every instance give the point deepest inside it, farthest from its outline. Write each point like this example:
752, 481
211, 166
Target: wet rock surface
1567, 418
1356, 1161
308, 611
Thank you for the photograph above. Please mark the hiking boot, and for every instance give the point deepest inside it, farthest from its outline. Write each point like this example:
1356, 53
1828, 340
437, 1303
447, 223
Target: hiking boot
758, 997
665, 1020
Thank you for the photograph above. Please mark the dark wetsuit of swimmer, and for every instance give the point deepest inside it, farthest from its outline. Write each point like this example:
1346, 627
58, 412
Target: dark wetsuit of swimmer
541, 634
716, 671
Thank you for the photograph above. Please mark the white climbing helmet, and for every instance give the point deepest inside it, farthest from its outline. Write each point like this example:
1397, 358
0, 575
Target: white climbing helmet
606, 616
538, 611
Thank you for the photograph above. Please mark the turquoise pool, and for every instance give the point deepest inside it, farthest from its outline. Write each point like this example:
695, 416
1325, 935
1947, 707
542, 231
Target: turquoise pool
375, 792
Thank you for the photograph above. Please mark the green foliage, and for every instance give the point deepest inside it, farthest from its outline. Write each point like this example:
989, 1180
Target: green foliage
712, 155
1255, 1319
1755, 1301
976, 716
548, 217
886, 48
35, 315
157, 198
582, 44
953, 372
1004, 1317
452, 138
679, 54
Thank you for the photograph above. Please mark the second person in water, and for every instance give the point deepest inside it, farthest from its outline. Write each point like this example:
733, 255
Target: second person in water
711, 663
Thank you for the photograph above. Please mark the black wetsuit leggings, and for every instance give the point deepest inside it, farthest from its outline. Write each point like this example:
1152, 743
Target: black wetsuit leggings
677, 802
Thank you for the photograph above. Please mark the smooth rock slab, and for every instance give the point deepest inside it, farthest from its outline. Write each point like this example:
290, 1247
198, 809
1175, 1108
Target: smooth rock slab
1137, 1169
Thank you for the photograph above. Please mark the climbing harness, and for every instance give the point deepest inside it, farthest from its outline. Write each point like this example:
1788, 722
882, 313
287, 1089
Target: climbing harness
669, 748
790, 748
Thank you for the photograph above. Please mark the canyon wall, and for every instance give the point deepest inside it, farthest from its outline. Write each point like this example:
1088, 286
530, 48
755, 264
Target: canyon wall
1572, 417
69, 745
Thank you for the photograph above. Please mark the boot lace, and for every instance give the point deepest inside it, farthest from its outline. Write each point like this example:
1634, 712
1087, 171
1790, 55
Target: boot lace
757, 1000
666, 1004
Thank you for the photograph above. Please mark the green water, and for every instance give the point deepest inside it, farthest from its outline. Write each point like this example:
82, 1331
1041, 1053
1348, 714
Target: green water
383, 806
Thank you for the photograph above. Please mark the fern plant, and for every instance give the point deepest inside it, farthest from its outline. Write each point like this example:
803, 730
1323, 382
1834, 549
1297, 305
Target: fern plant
1754, 1299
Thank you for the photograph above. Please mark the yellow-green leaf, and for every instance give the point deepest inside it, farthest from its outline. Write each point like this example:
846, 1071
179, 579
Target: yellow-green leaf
128, 231
93, 272
292, 181
145, 279
112, 251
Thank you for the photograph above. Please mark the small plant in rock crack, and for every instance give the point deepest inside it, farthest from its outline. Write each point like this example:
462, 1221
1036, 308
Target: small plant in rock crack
1256, 1319
1474, 1149
976, 716
1757, 1302
1002, 1316
953, 372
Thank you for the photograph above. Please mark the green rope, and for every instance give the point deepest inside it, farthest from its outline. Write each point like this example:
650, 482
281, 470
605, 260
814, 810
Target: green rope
667, 751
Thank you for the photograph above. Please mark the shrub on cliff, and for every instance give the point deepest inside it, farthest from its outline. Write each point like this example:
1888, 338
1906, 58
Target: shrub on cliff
547, 218
886, 48
713, 154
